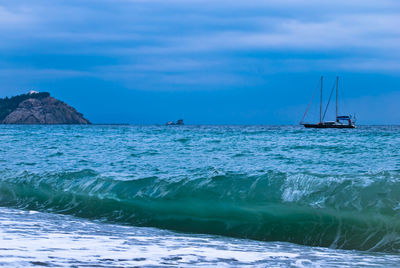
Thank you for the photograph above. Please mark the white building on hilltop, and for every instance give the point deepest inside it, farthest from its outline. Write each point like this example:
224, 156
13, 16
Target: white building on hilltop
33, 92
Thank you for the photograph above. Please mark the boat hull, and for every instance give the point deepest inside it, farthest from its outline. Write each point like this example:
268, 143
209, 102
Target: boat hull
327, 126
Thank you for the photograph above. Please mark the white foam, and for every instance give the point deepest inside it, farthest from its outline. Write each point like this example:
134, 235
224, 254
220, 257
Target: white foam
61, 240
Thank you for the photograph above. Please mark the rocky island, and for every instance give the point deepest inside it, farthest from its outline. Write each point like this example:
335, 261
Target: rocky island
38, 108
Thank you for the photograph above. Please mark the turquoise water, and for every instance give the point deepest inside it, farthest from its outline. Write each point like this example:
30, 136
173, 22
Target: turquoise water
209, 195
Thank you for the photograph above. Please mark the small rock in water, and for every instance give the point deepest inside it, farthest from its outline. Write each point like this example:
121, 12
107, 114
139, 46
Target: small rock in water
171, 123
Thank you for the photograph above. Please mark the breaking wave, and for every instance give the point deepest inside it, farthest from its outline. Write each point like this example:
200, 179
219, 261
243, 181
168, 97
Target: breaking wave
342, 211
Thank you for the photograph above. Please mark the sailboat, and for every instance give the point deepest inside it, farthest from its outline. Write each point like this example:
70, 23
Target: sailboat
342, 121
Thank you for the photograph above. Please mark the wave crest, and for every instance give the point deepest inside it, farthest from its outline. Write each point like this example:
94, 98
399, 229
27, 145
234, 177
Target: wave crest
350, 212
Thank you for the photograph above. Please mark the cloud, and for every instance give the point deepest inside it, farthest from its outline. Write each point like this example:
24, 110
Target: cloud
43, 73
195, 37
14, 18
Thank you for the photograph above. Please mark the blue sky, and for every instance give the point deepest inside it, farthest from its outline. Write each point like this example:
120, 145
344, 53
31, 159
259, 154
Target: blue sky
209, 62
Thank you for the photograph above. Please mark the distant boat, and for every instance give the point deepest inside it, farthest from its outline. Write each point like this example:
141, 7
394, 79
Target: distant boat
342, 121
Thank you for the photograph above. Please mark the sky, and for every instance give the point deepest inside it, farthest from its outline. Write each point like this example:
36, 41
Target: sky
208, 62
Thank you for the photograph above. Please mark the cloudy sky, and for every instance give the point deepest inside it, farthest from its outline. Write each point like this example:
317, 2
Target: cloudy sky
209, 62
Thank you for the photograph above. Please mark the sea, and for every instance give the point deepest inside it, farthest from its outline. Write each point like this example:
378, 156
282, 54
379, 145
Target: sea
208, 196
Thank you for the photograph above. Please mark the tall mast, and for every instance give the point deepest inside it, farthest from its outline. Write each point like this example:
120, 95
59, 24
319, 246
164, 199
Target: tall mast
337, 96
320, 106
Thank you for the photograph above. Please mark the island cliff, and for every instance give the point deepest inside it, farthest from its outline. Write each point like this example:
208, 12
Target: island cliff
38, 108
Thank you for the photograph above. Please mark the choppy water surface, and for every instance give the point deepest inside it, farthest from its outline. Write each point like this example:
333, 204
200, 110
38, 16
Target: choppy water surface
226, 195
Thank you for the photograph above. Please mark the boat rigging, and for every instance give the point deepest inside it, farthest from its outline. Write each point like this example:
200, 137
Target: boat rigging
342, 121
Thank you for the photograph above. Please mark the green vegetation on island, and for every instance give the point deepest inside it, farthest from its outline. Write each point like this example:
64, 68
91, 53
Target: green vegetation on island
8, 105
38, 108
